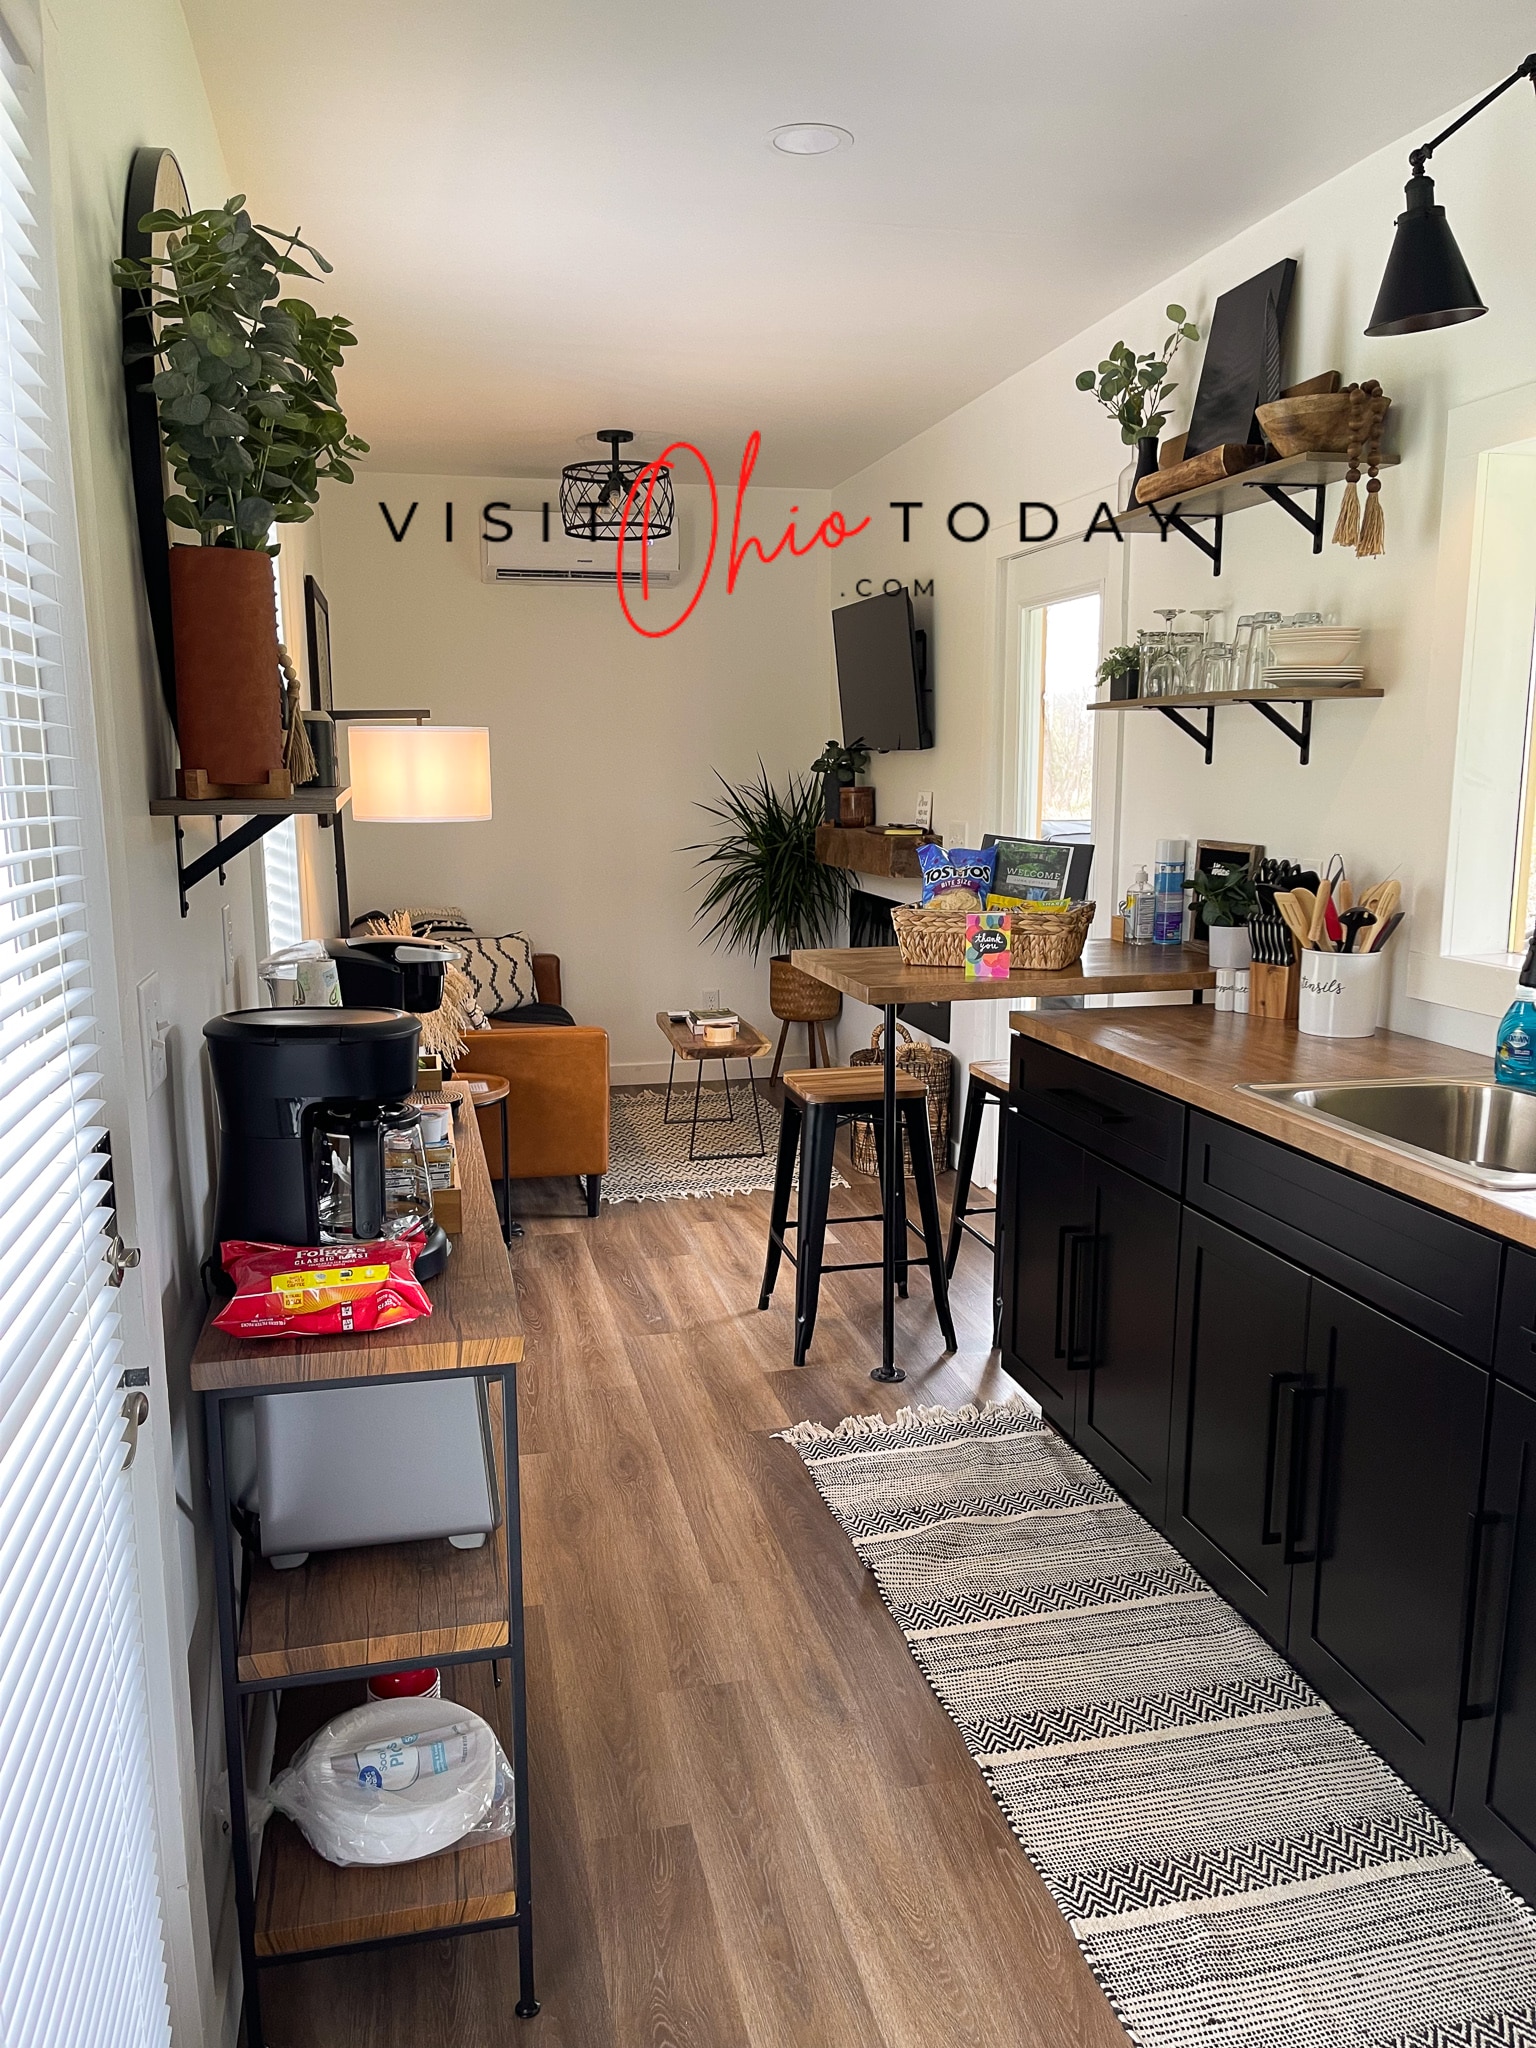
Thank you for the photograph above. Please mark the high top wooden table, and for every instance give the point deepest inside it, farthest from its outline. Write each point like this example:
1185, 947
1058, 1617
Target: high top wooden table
877, 975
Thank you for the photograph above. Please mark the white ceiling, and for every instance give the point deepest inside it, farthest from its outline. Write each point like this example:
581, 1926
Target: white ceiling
546, 218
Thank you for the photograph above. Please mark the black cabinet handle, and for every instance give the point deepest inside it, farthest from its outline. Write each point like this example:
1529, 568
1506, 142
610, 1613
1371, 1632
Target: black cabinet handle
1277, 1382
1295, 1552
1473, 1709
1080, 1353
1084, 1105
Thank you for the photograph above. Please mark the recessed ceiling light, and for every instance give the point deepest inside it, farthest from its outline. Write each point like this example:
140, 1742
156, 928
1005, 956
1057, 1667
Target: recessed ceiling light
810, 138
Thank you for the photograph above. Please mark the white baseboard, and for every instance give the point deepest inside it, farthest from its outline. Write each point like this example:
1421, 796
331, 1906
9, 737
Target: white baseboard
643, 1073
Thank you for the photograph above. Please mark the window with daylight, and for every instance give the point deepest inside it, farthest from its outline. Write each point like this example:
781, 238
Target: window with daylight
1061, 652
80, 1949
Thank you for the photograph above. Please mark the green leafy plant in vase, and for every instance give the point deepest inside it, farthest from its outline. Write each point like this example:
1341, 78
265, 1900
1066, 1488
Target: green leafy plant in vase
244, 385
764, 886
839, 768
1120, 670
1134, 390
1227, 901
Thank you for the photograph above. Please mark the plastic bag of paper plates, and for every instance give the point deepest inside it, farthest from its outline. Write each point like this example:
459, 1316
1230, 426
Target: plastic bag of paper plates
396, 1780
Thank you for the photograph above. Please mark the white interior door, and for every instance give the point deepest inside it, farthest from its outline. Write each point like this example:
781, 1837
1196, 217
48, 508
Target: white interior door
81, 1953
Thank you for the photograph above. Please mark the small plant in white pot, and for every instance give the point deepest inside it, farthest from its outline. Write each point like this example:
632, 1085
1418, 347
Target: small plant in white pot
1226, 901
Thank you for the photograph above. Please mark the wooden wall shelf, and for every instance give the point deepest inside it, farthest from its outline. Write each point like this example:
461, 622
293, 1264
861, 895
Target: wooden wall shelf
262, 814
869, 853
1267, 483
1263, 701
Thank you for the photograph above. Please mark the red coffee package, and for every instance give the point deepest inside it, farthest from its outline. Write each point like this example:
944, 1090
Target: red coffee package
322, 1290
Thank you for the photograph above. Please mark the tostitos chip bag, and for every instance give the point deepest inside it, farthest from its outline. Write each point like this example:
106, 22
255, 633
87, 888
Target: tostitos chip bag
323, 1290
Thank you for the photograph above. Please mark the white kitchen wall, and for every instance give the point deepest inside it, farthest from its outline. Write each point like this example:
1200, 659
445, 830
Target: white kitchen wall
1378, 786
602, 742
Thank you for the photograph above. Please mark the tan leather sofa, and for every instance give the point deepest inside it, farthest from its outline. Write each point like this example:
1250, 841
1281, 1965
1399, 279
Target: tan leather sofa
557, 1108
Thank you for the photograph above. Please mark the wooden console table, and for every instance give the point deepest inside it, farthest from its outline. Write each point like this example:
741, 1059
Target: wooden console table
879, 976
312, 1635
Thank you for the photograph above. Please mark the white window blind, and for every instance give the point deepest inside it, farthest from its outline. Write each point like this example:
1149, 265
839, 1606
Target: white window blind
280, 882
81, 1962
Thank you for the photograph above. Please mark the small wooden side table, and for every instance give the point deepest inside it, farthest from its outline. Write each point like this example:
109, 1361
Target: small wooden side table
488, 1091
749, 1044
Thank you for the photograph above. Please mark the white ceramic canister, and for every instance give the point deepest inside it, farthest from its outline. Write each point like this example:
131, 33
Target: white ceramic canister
1340, 994
1230, 946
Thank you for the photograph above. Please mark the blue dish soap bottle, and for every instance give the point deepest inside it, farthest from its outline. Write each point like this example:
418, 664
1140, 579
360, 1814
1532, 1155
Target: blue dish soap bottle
1514, 1052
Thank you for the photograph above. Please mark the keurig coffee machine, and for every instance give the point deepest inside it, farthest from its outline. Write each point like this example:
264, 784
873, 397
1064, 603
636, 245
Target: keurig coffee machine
318, 1143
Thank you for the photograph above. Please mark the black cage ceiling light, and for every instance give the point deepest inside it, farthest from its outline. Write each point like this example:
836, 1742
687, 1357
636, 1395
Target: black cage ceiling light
592, 495
1426, 282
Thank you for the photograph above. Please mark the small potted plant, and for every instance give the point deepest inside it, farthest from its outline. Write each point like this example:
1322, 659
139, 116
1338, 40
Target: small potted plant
839, 768
766, 887
245, 385
1121, 670
1134, 391
1227, 901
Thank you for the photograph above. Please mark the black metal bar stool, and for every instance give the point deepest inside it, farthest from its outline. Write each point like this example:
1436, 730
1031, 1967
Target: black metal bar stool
815, 1102
988, 1085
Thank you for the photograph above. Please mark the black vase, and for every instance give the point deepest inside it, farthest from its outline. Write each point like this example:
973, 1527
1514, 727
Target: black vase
1146, 463
831, 783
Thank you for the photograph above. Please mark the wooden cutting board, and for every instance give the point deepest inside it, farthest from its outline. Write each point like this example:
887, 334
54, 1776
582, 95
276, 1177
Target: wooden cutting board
1208, 468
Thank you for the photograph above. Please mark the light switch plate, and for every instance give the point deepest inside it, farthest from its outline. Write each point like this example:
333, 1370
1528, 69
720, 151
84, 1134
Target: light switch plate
152, 1030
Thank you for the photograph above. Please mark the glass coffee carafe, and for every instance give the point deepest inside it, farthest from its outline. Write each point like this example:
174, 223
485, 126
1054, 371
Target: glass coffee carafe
370, 1166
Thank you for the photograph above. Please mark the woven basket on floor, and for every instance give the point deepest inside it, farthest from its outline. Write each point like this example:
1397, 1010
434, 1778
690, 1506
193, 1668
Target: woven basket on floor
935, 1068
1037, 938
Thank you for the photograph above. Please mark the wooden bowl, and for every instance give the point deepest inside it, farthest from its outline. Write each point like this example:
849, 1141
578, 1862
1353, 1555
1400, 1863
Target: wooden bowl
1317, 425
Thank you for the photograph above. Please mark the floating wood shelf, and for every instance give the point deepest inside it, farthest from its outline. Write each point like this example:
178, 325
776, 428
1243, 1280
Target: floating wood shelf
868, 853
1267, 483
1263, 701
309, 803
304, 1903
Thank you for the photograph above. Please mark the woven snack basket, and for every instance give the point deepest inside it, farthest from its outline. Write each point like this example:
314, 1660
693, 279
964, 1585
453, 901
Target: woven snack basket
1038, 938
935, 1068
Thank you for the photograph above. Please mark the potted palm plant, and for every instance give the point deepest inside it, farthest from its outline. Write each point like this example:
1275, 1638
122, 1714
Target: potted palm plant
765, 887
245, 385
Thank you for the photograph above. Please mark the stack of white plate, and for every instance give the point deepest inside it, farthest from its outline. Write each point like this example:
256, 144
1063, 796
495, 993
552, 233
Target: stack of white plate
1314, 654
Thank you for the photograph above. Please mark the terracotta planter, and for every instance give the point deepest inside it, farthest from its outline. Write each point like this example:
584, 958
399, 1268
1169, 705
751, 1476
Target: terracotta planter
229, 707
797, 998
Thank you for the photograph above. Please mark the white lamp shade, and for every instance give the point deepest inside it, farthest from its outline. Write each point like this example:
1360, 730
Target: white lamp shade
420, 774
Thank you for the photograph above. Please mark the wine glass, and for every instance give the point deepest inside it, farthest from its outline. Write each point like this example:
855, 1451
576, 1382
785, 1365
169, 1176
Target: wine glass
1166, 677
1201, 665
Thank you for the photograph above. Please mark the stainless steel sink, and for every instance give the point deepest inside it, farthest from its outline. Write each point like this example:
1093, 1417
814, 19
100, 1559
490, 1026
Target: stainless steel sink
1476, 1129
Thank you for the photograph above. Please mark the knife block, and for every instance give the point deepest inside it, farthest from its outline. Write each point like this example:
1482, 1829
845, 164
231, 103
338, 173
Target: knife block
1275, 992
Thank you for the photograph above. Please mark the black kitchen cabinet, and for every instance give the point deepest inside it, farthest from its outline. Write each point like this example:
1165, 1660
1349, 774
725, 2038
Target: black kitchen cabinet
1123, 1396
1495, 1804
1385, 1518
1088, 1323
1239, 1394
1049, 1244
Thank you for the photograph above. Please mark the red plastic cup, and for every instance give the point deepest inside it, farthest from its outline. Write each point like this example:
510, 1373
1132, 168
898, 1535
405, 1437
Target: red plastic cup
426, 1684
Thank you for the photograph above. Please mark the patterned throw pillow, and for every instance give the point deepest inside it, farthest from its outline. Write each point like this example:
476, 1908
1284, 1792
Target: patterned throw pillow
501, 970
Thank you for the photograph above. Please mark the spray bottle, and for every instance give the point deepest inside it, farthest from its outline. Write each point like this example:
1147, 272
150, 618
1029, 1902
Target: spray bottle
1514, 1050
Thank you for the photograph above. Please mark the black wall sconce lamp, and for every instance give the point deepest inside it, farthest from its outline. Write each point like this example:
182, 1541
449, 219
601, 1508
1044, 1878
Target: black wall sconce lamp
1426, 282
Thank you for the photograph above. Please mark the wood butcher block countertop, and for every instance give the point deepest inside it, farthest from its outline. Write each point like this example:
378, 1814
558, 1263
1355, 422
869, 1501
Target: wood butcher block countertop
1201, 1056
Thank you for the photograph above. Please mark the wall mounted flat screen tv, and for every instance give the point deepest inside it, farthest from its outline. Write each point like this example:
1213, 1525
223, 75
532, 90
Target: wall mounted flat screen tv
882, 674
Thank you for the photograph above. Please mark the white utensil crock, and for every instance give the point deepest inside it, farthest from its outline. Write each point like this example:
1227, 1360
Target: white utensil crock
1340, 994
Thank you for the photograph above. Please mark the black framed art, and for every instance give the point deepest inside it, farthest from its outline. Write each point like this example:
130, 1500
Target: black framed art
1241, 370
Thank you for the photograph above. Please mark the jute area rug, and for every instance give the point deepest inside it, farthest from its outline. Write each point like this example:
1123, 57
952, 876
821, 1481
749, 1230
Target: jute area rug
648, 1159
1239, 1869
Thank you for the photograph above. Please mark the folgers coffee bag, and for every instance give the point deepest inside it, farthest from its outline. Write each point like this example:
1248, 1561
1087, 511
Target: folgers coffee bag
323, 1290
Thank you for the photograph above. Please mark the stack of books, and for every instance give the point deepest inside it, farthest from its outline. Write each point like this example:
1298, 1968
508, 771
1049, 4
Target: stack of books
715, 1027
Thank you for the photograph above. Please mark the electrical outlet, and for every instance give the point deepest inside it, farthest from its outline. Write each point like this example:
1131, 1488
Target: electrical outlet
152, 1033
711, 1000
229, 943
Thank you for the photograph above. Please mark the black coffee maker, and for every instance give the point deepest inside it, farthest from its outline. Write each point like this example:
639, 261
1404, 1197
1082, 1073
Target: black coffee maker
317, 1141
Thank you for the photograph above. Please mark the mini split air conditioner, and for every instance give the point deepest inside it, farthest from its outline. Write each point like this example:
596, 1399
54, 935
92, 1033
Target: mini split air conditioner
528, 558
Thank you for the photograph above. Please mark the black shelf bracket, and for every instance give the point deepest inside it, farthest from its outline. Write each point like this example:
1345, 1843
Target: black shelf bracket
190, 873
1176, 522
1279, 495
1204, 740
1299, 737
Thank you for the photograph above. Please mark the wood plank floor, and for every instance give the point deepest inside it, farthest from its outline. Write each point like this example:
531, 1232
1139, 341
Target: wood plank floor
753, 1824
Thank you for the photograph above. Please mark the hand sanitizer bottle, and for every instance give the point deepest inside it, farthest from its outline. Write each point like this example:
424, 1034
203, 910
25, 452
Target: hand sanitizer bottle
1514, 1054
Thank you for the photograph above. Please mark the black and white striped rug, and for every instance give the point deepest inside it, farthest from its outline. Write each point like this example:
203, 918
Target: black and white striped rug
1239, 1869
648, 1157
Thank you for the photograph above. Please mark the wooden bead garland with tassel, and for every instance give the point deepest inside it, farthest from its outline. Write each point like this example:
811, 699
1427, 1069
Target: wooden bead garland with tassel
1367, 410
298, 754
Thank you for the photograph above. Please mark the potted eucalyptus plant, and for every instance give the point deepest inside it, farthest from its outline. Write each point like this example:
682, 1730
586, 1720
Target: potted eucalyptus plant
244, 381
1134, 391
839, 768
765, 887
1227, 901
